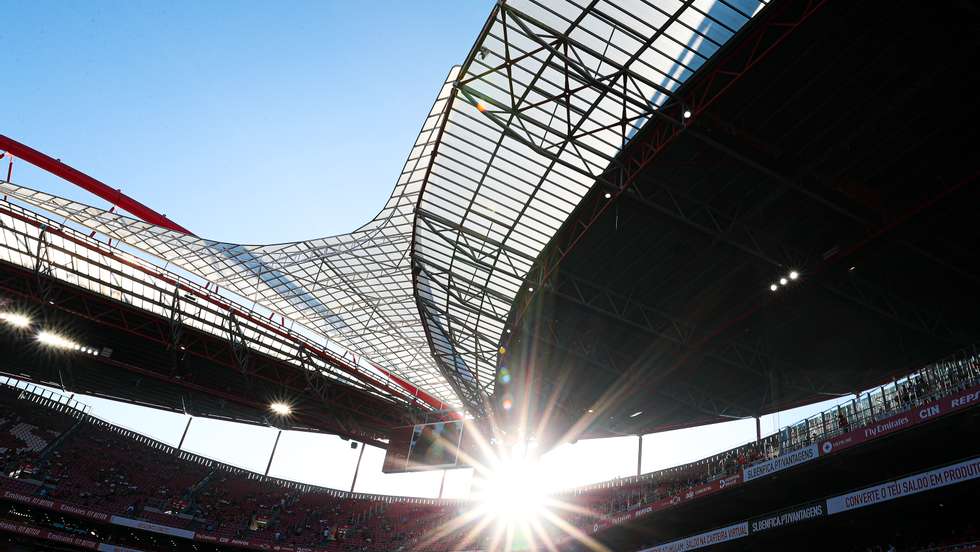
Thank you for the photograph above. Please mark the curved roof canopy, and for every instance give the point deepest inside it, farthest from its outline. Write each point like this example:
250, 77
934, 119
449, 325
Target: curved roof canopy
547, 98
353, 288
545, 101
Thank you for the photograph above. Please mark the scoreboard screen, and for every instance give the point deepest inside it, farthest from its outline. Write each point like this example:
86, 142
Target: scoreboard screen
433, 446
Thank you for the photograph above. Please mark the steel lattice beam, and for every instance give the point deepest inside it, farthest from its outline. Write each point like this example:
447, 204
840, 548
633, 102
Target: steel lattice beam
543, 105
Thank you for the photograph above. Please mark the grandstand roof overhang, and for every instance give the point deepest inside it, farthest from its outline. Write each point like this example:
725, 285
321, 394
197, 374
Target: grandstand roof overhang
351, 293
546, 99
848, 157
556, 107
170, 343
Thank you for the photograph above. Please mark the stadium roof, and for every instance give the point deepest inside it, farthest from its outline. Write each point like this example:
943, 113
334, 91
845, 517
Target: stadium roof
354, 288
547, 97
808, 232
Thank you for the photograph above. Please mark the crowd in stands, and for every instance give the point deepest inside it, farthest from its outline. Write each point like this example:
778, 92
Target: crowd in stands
888, 400
26, 430
82, 461
123, 477
97, 466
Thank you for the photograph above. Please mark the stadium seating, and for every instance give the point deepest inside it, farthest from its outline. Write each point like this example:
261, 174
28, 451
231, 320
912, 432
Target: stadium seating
137, 478
26, 430
76, 459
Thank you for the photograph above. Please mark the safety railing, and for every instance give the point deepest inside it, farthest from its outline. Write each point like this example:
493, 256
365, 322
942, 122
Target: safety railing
947, 376
47, 398
952, 374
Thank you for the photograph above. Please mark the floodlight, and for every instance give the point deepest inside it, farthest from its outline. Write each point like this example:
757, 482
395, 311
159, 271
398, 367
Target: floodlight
52, 339
281, 408
16, 320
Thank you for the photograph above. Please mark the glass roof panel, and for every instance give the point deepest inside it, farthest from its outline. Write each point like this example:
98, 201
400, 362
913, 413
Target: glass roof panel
354, 289
549, 95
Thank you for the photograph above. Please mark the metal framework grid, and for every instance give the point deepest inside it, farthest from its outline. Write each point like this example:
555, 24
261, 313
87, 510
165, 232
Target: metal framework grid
546, 100
355, 289
44, 250
536, 117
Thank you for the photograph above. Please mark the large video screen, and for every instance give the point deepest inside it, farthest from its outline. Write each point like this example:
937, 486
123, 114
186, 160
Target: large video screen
433, 446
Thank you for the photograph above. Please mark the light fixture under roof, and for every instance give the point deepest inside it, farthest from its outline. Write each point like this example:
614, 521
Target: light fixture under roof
773, 287
793, 275
608, 195
783, 281
280, 408
635, 414
16, 320
687, 113
52, 339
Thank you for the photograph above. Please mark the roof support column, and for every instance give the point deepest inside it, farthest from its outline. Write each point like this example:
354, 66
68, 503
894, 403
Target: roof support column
357, 468
183, 436
273, 454
639, 454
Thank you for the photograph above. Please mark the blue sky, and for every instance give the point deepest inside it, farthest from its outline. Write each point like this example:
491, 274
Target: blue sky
257, 123
243, 121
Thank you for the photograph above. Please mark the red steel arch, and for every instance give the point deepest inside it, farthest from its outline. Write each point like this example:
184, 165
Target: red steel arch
86, 182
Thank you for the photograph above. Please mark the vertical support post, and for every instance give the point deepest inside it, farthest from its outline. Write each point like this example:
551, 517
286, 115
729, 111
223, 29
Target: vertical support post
442, 484
273, 454
183, 436
357, 468
639, 455
758, 429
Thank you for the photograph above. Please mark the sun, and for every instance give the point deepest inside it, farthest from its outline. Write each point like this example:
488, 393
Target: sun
513, 509
512, 491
